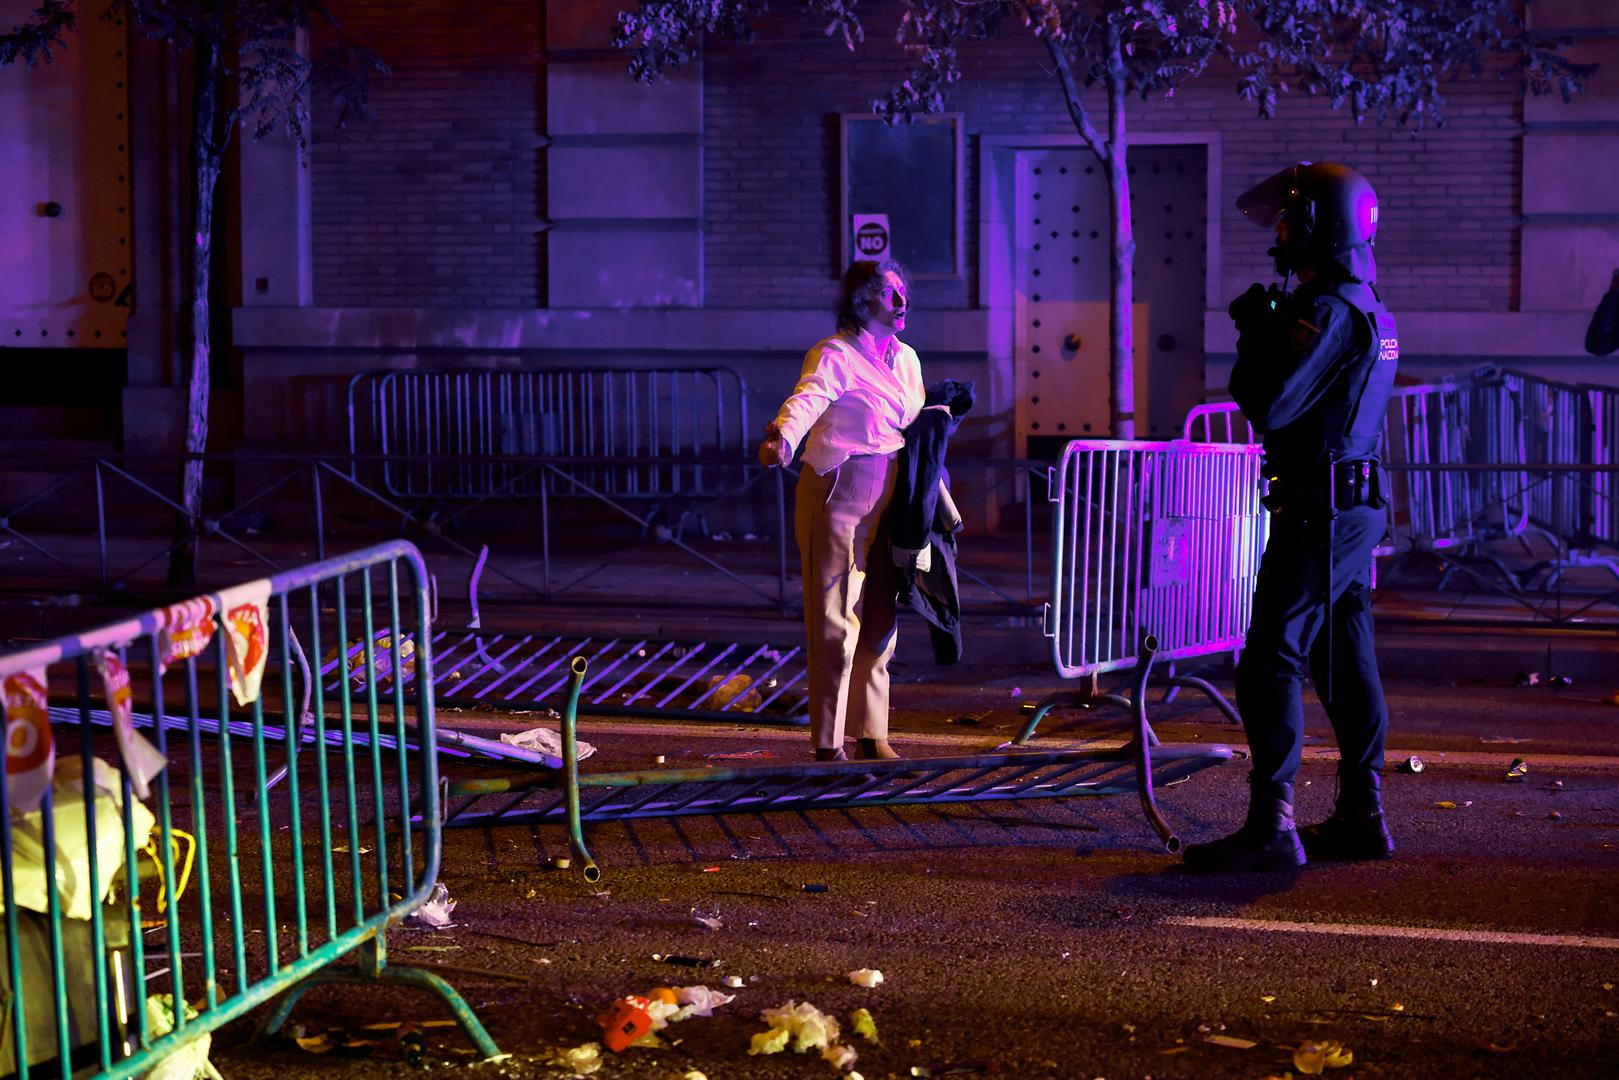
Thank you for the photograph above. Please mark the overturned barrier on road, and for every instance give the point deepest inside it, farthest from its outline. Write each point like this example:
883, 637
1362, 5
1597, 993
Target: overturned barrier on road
566, 797
632, 676
260, 890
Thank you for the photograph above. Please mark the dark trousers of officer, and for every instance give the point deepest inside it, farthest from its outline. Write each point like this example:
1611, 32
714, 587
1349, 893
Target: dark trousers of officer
1288, 631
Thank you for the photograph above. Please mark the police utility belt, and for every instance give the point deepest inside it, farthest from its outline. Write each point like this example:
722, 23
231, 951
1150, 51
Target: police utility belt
1343, 485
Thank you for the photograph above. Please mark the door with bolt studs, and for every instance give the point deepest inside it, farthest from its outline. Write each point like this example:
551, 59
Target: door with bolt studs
1062, 269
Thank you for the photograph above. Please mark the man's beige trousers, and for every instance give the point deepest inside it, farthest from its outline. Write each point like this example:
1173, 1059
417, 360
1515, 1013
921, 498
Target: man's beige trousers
850, 583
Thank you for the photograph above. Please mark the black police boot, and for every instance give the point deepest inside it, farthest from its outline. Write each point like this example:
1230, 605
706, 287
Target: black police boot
1357, 829
1268, 840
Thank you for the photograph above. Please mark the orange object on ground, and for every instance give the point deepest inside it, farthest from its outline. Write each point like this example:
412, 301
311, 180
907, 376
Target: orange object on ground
627, 1021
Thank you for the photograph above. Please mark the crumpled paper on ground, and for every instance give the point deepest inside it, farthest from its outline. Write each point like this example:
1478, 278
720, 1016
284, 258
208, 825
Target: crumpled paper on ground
805, 1028
866, 977
736, 691
190, 1059
1312, 1058
698, 1001
543, 740
583, 1060
436, 910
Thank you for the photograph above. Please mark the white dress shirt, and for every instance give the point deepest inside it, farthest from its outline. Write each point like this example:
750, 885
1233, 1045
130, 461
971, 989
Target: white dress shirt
853, 397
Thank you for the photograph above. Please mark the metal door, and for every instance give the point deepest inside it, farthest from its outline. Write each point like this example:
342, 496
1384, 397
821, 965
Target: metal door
1061, 264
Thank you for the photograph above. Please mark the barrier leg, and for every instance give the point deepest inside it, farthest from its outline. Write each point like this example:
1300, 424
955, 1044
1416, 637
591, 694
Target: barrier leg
373, 969
1078, 699
1210, 691
1142, 745
570, 770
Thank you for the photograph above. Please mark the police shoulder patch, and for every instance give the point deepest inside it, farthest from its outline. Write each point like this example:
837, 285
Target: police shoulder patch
1304, 335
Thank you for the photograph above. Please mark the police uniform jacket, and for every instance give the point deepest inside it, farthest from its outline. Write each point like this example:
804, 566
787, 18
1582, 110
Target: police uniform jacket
1314, 375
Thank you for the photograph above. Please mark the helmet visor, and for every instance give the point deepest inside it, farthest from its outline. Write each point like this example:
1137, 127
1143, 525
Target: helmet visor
1264, 203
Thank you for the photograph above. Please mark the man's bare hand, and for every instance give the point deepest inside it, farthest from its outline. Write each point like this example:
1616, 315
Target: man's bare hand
774, 451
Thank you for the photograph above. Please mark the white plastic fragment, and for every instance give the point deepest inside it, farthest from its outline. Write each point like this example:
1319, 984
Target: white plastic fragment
189, 1060
543, 740
436, 910
866, 977
583, 1060
699, 1001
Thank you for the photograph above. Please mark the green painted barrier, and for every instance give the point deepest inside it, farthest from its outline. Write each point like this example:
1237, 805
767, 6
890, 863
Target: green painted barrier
136, 874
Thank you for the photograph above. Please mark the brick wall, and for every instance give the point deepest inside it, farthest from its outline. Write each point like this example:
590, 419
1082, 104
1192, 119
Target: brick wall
1450, 197
434, 200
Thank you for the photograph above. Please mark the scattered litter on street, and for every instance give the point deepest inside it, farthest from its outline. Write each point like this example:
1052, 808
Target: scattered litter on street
803, 1027
866, 977
863, 1024
1412, 764
1312, 1058
736, 691
955, 1068
542, 740
583, 1060
814, 888
733, 981
189, 1060
685, 961
1231, 1041
1517, 771
436, 910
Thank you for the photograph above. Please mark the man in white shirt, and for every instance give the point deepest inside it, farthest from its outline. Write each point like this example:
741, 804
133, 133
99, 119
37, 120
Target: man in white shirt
858, 391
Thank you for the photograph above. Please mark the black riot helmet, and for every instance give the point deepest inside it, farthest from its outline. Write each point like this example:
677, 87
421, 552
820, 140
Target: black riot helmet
1330, 210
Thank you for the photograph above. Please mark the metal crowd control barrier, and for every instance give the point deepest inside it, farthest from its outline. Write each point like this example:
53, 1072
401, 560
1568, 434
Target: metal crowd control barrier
654, 419
1605, 444
1216, 422
108, 972
1471, 420
1160, 538
565, 797
637, 676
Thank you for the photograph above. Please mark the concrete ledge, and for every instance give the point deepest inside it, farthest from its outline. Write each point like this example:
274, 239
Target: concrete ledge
707, 330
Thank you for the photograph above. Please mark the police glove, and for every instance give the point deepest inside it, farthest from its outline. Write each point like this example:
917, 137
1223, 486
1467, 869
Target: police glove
1256, 306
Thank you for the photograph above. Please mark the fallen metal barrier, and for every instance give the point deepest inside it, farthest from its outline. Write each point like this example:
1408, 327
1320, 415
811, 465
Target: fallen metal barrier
568, 798
651, 677
272, 886
651, 419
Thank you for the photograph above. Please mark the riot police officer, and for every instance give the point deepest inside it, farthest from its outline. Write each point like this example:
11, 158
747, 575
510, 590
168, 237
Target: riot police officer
1314, 370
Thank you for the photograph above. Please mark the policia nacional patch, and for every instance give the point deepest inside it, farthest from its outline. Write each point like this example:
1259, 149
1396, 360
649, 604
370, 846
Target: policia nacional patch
1304, 335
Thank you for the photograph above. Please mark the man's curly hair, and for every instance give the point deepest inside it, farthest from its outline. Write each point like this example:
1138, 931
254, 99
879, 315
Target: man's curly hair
862, 284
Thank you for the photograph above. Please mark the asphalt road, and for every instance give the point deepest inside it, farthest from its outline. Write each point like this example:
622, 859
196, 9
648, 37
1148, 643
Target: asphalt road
1053, 938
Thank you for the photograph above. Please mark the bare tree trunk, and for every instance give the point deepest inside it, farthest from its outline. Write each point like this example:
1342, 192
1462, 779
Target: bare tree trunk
1122, 403
205, 162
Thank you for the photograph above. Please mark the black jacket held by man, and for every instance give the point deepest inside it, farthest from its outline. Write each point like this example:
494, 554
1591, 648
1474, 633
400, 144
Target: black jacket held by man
916, 519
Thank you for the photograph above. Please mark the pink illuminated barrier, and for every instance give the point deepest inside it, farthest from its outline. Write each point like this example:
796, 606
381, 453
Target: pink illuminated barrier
1160, 538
